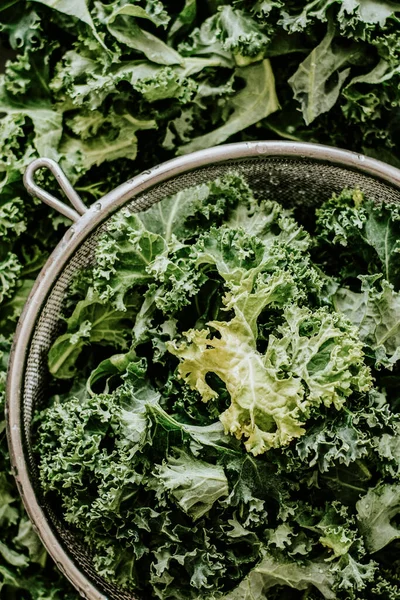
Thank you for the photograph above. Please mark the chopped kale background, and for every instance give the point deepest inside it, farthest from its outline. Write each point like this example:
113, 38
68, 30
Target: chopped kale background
110, 89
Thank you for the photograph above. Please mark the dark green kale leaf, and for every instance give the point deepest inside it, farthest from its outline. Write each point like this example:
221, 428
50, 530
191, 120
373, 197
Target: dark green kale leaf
375, 311
365, 232
92, 322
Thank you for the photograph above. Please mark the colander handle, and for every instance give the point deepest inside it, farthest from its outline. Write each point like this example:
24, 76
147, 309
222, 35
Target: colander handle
62, 180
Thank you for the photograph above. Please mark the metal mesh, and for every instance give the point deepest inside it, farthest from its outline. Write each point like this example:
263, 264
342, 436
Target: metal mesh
292, 182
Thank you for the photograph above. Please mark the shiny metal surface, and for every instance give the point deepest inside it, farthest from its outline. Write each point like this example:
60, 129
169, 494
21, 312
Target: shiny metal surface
35, 190
293, 173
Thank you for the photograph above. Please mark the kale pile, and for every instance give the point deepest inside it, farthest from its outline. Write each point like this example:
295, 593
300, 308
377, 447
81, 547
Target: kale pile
224, 416
110, 89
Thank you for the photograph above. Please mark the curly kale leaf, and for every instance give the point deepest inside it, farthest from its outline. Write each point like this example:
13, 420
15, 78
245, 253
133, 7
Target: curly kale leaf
92, 322
232, 31
102, 138
77, 9
316, 359
134, 250
123, 256
271, 572
10, 270
363, 229
120, 436
338, 442
193, 483
375, 311
376, 510
312, 83
350, 13
196, 208
256, 101
268, 220
47, 122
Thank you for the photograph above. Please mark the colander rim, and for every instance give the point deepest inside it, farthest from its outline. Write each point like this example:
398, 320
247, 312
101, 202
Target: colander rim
71, 241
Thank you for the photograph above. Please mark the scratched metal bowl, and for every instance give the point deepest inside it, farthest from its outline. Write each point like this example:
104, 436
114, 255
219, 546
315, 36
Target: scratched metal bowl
294, 174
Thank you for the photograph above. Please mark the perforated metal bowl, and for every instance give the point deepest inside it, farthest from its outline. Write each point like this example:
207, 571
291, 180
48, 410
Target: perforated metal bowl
291, 173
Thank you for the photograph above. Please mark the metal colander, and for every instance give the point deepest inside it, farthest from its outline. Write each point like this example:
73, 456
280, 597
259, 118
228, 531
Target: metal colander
295, 174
